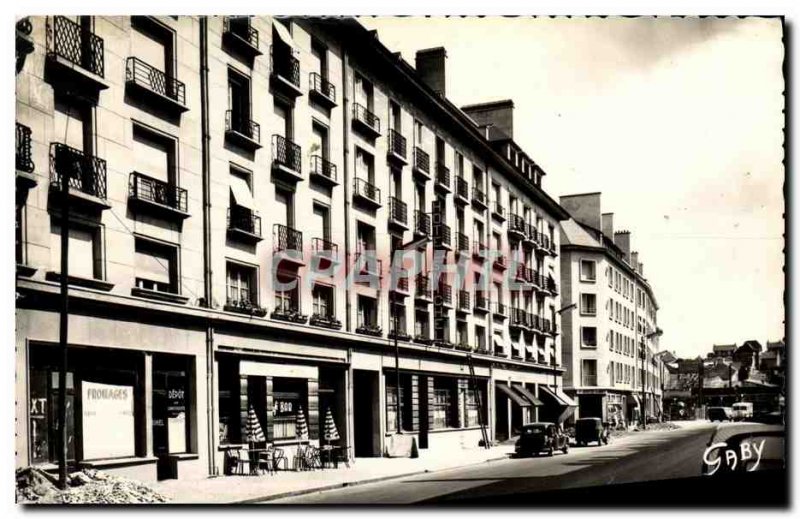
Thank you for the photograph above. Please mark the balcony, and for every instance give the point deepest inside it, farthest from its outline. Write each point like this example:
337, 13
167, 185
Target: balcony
481, 303
463, 345
321, 90
479, 198
241, 131
422, 223
441, 236
155, 87
284, 71
400, 286
367, 122
288, 240
479, 250
498, 211
500, 310
163, 198
325, 321
86, 176
400, 335
535, 322
443, 177
286, 158
500, 263
516, 226
531, 235
244, 225
366, 193
519, 319
75, 55
523, 274
398, 213
443, 295
462, 243
289, 315
464, 301
397, 147
369, 265
24, 161
422, 163
371, 329
238, 35
323, 171
462, 190
422, 290
244, 306
326, 250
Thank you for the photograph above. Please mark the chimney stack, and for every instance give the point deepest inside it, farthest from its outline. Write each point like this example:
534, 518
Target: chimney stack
584, 208
430, 65
641, 269
622, 239
498, 115
635, 261
608, 225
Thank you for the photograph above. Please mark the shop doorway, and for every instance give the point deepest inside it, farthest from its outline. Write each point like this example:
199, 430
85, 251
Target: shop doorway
590, 406
366, 413
501, 432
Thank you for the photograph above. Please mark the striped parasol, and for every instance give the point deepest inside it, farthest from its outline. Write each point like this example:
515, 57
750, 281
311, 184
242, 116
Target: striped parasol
254, 431
301, 425
331, 433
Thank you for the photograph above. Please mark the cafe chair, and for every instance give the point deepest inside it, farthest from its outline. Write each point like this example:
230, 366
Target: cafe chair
279, 457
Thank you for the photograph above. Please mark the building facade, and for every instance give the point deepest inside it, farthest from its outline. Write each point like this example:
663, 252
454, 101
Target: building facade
610, 337
235, 190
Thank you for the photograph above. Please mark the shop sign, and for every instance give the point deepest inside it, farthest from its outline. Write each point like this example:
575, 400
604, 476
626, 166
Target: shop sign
107, 414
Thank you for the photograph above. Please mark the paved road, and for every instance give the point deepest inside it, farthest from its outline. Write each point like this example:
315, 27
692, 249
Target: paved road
639, 457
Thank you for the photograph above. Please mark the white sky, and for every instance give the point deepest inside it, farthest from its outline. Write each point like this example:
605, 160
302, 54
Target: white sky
677, 121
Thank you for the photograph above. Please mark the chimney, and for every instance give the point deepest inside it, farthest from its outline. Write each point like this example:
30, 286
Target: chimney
641, 269
607, 220
499, 115
635, 260
584, 208
430, 66
622, 239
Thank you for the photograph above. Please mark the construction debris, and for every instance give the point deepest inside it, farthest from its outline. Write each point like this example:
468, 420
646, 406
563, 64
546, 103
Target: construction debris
89, 486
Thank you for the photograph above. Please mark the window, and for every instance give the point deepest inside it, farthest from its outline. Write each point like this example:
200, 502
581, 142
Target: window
367, 312
480, 337
85, 250
422, 324
319, 54
321, 222
72, 121
319, 140
611, 341
395, 117
610, 277
418, 133
477, 177
588, 304
172, 404
285, 119
153, 44
497, 195
365, 166
156, 266
588, 271
289, 394
239, 102
462, 336
365, 236
322, 296
497, 242
241, 285
589, 372
363, 92
459, 164
287, 301
440, 158
589, 336
472, 400
443, 403
154, 155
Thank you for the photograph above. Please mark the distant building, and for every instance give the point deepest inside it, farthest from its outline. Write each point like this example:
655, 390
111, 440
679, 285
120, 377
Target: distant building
723, 350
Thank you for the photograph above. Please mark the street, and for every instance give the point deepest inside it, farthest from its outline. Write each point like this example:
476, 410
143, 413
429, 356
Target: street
641, 456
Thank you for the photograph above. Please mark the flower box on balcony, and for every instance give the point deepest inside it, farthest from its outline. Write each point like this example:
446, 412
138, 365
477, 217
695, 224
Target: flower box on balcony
325, 321
423, 339
290, 316
244, 307
401, 336
373, 331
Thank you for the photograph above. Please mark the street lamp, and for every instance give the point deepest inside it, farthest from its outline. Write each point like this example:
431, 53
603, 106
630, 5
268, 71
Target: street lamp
643, 355
412, 245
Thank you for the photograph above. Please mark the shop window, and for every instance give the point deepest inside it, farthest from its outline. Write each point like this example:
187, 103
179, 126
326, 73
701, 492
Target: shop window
391, 403
289, 396
156, 266
472, 400
445, 406
171, 404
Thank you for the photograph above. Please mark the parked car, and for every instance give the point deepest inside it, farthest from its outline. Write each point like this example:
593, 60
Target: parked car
742, 410
591, 430
541, 437
719, 414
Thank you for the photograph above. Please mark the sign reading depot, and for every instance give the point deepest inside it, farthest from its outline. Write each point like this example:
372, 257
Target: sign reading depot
107, 414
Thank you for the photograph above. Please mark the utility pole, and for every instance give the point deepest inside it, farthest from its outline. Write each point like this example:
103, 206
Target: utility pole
64, 316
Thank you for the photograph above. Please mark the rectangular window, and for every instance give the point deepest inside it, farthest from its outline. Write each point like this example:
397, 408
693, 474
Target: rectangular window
153, 44
288, 301
480, 337
472, 400
611, 340
589, 372
589, 336
321, 222
443, 404
418, 134
588, 304
285, 119
395, 117
367, 312
422, 324
239, 102
319, 55
319, 140
85, 250
241, 285
459, 164
156, 266
154, 154
365, 166
588, 271
72, 121
322, 296
462, 336
289, 395
363, 92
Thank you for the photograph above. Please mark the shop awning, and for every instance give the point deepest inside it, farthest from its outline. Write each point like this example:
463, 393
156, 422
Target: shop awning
513, 395
635, 401
283, 33
530, 396
565, 398
559, 396
241, 192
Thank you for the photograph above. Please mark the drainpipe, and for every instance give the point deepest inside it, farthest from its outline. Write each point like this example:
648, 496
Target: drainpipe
346, 171
207, 270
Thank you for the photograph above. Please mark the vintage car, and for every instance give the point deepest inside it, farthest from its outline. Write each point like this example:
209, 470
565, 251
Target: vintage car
719, 414
591, 430
539, 437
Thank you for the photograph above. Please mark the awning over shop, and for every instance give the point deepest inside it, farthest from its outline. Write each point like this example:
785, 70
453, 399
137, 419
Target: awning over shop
635, 401
513, 395
530, 396
283, 33
559, 396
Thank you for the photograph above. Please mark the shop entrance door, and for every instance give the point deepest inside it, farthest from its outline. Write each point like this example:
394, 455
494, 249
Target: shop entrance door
366, 414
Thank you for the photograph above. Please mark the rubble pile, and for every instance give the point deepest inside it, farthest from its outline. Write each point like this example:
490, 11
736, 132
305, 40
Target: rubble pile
84, 487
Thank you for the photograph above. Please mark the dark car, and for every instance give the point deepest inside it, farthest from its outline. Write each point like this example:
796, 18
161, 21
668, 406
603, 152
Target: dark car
591, 430
541, 437
718, 414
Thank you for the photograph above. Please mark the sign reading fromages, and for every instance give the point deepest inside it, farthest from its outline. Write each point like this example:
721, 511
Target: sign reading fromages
108, 430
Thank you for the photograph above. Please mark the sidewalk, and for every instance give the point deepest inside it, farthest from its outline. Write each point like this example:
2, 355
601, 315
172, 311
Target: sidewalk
248, 489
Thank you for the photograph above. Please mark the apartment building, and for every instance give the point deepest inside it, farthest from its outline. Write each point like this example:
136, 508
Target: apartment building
236, 189
610, 337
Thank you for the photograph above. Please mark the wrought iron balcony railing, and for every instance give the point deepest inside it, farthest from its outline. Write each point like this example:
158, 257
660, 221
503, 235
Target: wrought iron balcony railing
144, 74
286, 153
402, 279
498, 209
464, 300
285, 238
479, 249
84, 173
366, 190
244, 219
398, 210
519, 318
364, 116
325, 247
76, 44
441, 235
443, 293
148, 189
283, 64
481, 302
462, 188
478, 195
317, 83
462, 242
442, 175
516, 224
241, 27
397, 144
23, 148
235, 122
500, 262
422, 160
422, 223
323, 168
423, 286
